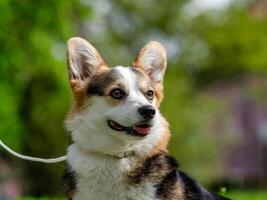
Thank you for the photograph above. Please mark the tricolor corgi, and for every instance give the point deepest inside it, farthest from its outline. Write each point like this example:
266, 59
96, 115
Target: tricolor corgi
119, 149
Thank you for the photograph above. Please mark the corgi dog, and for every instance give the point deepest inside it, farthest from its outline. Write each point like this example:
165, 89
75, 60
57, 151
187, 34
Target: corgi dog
119, 149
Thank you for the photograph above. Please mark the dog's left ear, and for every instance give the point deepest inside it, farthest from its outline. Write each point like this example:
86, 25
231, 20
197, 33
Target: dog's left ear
152, 59
83, 59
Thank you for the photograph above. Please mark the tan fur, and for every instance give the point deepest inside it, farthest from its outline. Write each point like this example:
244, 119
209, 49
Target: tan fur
158, 93
178, 193
78, 87
139, 64
78, 97
163, 143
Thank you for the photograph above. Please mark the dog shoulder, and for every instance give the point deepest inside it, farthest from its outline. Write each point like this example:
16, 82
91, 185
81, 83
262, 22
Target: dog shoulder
169, 183
160, 170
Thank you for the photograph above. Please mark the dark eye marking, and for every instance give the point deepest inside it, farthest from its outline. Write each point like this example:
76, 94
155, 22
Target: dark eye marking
150, 94
101, 82
117, 94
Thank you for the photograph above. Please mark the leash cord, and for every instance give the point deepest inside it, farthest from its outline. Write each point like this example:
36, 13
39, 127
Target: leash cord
35, 159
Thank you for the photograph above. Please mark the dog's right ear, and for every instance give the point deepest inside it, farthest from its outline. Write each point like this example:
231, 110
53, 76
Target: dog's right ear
152, 59
83, 60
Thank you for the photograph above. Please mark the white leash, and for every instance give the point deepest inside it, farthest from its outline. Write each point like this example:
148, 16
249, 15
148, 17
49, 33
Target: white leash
35, 159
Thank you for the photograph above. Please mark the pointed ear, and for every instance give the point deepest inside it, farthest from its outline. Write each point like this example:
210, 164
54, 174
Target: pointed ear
153, 60
83, 59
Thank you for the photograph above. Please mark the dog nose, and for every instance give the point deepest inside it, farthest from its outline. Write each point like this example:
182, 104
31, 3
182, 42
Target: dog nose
148, 112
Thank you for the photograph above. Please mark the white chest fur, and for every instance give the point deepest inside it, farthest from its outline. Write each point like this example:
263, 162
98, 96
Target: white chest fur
104, 178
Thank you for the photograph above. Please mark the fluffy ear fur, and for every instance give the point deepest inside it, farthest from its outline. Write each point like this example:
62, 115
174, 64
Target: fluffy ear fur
83, 59
153, 60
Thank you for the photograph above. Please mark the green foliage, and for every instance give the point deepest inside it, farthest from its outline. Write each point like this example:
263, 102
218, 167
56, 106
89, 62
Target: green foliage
247, 195
33, 81
235, 44
35, 30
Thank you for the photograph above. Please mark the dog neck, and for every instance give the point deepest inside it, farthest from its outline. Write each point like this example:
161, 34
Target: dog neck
108, 155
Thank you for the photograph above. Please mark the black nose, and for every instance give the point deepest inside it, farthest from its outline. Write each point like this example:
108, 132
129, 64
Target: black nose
148, 112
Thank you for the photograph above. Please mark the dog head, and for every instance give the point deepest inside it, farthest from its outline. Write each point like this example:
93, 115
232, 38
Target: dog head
115, 109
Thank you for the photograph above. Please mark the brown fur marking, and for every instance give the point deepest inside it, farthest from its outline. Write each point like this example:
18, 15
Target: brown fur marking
161, 171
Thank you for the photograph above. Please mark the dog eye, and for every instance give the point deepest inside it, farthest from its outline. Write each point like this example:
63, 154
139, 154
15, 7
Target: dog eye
117, 94
150, 94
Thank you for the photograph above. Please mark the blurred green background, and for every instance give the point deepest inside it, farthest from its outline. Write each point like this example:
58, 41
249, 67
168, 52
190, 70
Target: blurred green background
215, 84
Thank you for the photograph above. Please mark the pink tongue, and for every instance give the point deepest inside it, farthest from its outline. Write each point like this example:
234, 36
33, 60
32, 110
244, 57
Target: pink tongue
142, 130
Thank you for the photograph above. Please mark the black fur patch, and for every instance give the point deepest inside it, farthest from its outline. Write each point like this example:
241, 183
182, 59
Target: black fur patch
70, 179
166, 188
151, 166
191, 189
100, 82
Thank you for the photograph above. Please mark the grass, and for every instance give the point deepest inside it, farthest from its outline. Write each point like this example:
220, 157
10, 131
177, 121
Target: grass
235, 195
41, 198
247, 195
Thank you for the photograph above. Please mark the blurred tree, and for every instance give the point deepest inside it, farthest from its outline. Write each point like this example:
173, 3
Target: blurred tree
33, 79
233, 45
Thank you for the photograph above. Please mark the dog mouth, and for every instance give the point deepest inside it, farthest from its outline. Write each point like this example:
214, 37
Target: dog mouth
141, 129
